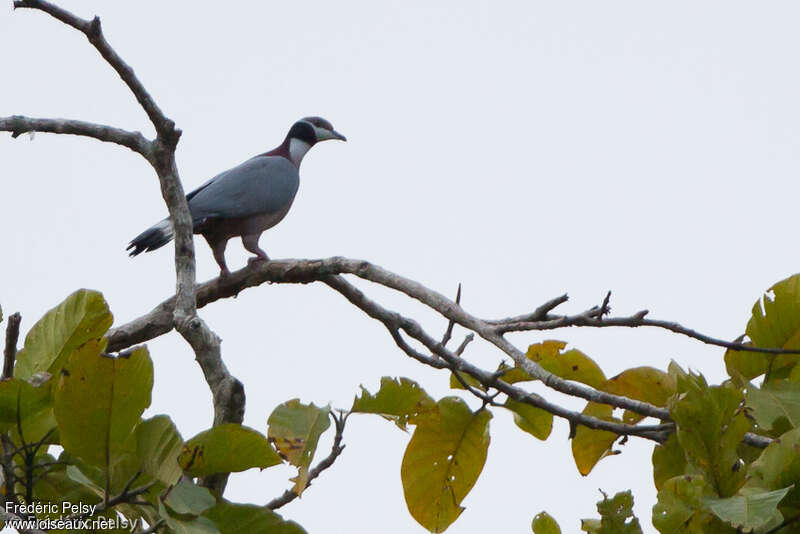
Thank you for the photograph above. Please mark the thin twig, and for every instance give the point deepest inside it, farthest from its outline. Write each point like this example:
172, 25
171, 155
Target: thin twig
10, 352
336, 449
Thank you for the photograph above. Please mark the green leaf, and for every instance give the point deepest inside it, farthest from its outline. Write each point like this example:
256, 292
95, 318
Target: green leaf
28, 406
645, 384
99, 400
56, 486
187, 498
569, 365
776, 406
83, 316
473, 382
187, 525
590, 446
681, 506
749, 512
544, 524
226, 448
711, 426
443, 461
400, 400
531, 419
778, 467
294, 429
250, 519
158, 447
775, 322
669, 461
616, 516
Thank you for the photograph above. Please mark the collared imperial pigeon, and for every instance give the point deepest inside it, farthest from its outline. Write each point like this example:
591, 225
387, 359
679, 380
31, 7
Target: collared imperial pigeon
247, 199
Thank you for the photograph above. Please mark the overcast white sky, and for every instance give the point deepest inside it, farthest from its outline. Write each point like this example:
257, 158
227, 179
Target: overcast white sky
525, 149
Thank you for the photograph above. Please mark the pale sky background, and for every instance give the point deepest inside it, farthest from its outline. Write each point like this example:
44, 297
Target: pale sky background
525, 149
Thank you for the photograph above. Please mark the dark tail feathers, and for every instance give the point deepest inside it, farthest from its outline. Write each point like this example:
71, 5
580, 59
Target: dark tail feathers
154, 237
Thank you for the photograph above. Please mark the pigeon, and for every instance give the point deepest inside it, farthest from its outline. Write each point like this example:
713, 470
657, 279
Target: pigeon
247, 199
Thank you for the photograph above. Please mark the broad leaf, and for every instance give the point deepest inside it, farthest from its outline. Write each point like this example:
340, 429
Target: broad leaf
25, 406
776, 406
778, 467
645, 384
99, 400
250, 519
669, 461
749, 512
775, 322
443, 461
187, 524
681, 506
711, 426
569, 365
187, 498
158, 447
400, 400
294, 429
531, 419
226, 448
590, 446
544, 524
83, 316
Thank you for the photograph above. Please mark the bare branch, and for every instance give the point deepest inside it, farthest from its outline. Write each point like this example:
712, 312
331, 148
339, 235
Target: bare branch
10, 352
633, 321
227, 392
18, 125
336, 449
94, 32
536, 315
395, 322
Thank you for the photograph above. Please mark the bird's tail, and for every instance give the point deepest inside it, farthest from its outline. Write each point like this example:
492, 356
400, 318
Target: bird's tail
154, 237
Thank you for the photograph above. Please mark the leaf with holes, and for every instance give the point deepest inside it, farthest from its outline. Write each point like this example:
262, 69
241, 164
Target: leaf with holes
83, 316
443, 461
102, 397
226, 448
569, 365
616, 516
400, 400
295, 429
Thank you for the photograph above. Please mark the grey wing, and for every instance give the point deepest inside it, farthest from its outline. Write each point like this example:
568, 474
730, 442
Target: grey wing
264, 184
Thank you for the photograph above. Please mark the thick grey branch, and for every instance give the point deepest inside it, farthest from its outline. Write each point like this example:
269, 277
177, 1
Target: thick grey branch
18, 125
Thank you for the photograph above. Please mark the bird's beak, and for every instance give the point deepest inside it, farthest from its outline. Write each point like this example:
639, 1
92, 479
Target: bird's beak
324, 135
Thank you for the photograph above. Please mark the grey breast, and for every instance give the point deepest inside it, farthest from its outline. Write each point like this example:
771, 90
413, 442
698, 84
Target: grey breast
261, 189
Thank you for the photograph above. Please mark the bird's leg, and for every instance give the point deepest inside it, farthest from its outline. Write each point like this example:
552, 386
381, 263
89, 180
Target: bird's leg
218, 248
250, 243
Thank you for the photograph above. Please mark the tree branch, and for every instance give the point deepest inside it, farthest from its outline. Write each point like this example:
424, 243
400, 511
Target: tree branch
10, 352
227, 392
18, 125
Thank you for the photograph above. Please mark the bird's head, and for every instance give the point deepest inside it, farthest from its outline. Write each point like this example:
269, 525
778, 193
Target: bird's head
312, 130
